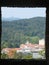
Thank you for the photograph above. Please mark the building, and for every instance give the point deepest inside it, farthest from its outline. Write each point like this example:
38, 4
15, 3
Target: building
42, 42
5, 50
25, 48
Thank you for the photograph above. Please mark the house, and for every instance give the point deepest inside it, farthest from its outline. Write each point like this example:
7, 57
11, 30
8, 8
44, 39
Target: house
5, 50
10, 51
28, 47
25, 48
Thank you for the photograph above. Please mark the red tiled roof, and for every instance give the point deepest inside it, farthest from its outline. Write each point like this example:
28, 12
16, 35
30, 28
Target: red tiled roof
23, 46
41, 45
10, 49
28, 45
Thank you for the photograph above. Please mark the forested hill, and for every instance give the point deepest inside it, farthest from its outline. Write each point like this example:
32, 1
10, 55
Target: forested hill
18, 31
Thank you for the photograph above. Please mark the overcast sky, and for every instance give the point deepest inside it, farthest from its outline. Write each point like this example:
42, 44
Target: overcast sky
22, 12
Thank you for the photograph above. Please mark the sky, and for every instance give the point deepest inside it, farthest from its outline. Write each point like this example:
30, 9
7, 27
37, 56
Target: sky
26, 12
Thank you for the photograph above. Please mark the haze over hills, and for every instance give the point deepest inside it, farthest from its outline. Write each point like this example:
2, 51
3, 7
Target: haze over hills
21, 30
14, 18
9, 19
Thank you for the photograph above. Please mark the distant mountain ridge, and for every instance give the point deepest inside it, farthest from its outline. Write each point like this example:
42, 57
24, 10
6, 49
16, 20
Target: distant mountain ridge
14, 18
9, 19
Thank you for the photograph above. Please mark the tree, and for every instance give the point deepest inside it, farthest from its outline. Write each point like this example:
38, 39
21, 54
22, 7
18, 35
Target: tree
27, 56
15, 32
42, 53
34, 39
4, 44
4, 56
17, 55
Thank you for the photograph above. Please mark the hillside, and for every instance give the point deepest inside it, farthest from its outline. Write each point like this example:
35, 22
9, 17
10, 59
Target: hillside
18, 31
